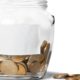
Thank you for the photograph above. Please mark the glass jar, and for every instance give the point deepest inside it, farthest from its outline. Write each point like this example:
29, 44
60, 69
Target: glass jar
26, 38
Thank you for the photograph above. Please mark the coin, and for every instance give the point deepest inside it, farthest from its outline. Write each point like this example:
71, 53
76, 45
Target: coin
75, 76
60, 75
2, 58
8, 67
78, 77
43, 67
22, 70
34, 67
18, 58
72, 78
43, 46
38, 58
26, 59
0, 67
46, 50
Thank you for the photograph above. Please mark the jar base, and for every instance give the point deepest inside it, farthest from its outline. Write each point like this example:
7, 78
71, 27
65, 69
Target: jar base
23, 77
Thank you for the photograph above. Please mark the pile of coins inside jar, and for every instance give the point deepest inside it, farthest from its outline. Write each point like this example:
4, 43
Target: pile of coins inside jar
66, 76
22, 65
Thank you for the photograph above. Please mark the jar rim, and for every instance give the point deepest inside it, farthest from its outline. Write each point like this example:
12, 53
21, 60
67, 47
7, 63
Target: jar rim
42, 3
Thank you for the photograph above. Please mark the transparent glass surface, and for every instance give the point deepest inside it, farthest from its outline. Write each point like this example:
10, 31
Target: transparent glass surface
26, 39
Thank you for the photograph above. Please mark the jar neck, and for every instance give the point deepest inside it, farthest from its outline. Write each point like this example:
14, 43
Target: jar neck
31, 3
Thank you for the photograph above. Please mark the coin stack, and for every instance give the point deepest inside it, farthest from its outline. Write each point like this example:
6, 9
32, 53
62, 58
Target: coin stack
22, 65
66, 76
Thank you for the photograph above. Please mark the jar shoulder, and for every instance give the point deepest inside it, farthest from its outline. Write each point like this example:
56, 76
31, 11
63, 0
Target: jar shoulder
26, 15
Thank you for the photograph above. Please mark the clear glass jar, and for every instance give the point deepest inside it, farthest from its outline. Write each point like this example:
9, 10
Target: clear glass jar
26, 38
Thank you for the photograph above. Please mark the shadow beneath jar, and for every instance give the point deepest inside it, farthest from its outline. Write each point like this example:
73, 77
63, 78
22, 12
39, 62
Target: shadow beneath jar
47, 76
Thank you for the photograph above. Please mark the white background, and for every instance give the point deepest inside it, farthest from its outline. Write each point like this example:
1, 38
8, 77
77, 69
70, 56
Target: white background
66, 47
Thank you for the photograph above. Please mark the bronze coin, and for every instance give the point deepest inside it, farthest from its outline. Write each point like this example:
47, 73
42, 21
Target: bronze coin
60, 75
18, 58
26, 59
46, 50
43, 67
22, 69
78, 77
72, 78
38, 58
74, 74
8, 67
34, 67
2, 58
43, 46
